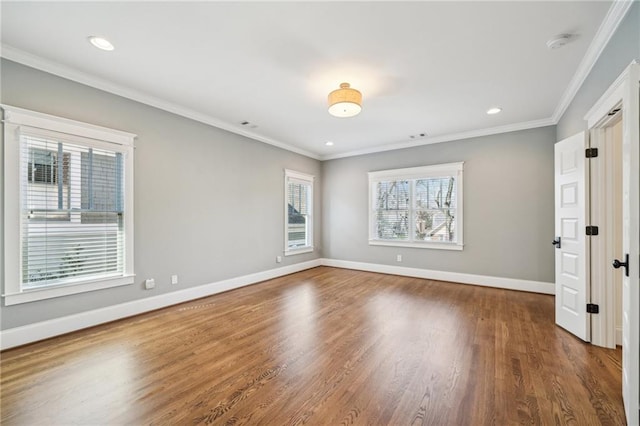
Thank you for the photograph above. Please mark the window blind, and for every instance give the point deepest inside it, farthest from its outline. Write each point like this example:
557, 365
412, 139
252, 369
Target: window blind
392, 209
298, 193
72, 217
417, 207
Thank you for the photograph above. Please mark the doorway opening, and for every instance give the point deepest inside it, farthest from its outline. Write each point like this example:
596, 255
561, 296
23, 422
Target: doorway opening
606, 196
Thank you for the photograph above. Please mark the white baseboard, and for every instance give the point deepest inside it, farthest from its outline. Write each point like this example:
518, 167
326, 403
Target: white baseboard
619, 336
456, 277
18, 336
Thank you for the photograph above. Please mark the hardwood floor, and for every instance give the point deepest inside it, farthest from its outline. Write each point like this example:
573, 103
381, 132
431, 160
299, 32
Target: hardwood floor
327, 347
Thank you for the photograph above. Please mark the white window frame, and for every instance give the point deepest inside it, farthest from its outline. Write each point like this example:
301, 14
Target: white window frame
291, 175
411, 174
16, 119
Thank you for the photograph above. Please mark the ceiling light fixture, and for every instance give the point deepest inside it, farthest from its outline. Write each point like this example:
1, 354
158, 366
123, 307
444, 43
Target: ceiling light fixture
329, 143
345, 101
101, 43
493, 110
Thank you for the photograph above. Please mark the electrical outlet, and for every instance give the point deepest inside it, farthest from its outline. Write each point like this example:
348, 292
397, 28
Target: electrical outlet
399, 258
278, 259
174, 279
149, 283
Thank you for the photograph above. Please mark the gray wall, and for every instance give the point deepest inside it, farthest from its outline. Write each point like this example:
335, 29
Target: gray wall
623, 47
508, 206
189, 219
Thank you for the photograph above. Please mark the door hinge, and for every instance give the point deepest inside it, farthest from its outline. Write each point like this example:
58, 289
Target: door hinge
591, 152
592, 308
592, 230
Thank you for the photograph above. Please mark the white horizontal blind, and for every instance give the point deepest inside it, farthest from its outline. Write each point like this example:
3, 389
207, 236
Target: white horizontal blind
392, 210
435, 209
72, 212
417, 207
298, 203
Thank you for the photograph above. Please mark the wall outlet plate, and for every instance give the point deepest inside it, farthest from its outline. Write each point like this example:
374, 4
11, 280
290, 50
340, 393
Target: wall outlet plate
399, 258
149, 283
174, 279
278, 259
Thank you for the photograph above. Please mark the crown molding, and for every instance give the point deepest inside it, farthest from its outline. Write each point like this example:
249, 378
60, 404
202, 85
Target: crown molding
16, 55
446, 138
610, 24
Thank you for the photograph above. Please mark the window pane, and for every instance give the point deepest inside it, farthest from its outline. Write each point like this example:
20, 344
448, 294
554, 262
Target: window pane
392, 224
72, 228
392, 210
436, 193
435, 204
393, 195
298, 211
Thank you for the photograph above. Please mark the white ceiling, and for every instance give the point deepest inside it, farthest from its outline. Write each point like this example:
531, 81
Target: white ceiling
432, 67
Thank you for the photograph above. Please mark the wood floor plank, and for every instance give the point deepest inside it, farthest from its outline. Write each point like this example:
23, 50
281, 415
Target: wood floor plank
323, 346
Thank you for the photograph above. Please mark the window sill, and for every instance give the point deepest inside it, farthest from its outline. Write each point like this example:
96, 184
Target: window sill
33, 295
425, 245
300, 250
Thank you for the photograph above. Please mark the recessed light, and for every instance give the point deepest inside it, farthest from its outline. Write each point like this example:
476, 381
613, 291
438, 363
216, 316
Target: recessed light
101, 43
493, 110
329, 143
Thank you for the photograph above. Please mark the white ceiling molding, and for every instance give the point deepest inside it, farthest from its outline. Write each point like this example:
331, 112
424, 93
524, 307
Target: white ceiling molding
609, 25
447, 138
24, 58
607, 28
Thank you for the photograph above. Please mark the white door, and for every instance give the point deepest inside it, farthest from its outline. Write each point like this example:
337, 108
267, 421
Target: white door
572, 261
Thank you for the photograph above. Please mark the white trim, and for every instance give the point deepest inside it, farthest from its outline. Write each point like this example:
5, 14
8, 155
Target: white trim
450, 137
66, 290
412, 174
45, 329
608, 27
39, 120
19, 121
624, 93
292, 252
616, 91
292, 176
610, 24
421, 245
454, 277
618, 336
435, 170
30, 333
299, 175
22, 57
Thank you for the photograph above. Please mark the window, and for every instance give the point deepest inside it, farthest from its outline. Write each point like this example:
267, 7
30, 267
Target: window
298, 235
417, 207
68, 209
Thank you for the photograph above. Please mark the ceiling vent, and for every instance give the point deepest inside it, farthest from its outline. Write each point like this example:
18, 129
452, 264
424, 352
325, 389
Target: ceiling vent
248, 124
419, 135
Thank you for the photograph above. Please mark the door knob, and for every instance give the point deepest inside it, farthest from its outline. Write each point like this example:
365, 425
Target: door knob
617, 264
556, 242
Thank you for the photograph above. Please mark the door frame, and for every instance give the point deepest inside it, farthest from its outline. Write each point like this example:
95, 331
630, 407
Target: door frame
603, 294
625, 93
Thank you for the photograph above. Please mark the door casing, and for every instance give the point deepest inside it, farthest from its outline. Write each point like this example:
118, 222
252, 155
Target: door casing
624, 93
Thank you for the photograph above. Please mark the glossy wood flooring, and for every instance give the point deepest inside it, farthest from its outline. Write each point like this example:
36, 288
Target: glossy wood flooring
324, 347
